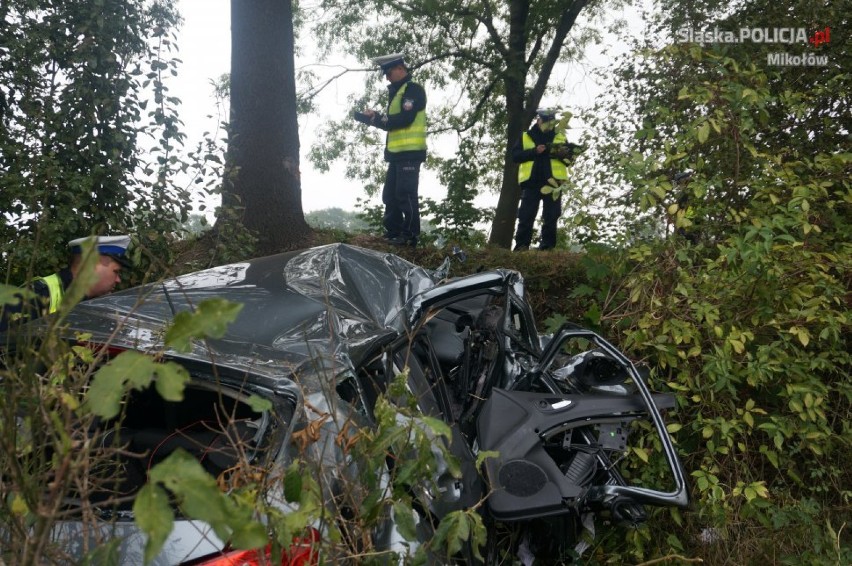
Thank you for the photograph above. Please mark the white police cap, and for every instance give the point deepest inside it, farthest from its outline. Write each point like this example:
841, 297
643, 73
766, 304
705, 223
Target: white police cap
546, 114
389, 61
112, 246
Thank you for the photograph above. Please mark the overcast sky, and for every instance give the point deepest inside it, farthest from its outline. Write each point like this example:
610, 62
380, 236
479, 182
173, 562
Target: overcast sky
204, 48
204, 43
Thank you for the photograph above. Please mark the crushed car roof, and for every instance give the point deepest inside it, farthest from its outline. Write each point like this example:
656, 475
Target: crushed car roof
307, 311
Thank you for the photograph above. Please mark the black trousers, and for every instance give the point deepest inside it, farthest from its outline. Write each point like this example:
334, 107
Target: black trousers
528, 210
402, 207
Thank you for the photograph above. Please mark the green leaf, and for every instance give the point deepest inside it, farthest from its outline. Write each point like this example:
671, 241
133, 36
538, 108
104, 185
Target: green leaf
674, 542
259, 404
293, 484
19, 505
703, 132
738, 345
250, 535
438, 426
658, 191
373, 505
760, 489
133, 370
593, 315
108, 384
404, 520
642, 453
676, 516
196, 490
751, 149
772, 456
715, 124
85, 354
210, 320
154, 517
11, 295
484, 455
453, 531
171, 381
137, 368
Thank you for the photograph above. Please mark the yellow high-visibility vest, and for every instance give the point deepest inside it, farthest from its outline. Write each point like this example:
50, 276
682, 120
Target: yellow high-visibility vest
411, 137
557, 166
56, 290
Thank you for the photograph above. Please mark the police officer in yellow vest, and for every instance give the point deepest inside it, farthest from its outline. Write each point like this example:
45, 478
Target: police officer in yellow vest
405, 149
537, 165
112, 257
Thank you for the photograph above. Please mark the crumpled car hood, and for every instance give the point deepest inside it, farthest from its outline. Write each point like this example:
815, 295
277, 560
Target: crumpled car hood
304, 313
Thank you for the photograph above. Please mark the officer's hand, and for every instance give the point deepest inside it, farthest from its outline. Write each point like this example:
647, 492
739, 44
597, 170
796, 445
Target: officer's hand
541, 148
565, 152
363, 118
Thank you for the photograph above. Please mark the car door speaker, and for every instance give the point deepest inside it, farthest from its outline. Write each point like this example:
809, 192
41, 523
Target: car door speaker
522, 478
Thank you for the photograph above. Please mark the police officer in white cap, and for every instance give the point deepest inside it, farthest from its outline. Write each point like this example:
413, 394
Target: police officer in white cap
405, 149
112, 257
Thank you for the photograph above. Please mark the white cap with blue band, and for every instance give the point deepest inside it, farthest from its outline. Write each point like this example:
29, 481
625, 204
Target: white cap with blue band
386, 62
112, 246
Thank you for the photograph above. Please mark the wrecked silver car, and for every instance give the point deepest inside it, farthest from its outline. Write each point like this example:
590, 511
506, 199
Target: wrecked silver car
324, 332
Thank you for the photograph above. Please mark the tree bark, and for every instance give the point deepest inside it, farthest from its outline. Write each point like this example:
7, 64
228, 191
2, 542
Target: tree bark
262, 186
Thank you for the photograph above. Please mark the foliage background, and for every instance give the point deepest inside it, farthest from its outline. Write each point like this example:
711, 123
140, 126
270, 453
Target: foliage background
89, 135
737, 297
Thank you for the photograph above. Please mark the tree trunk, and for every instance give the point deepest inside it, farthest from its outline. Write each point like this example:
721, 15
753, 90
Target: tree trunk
503, 225
262, 183
514, 81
